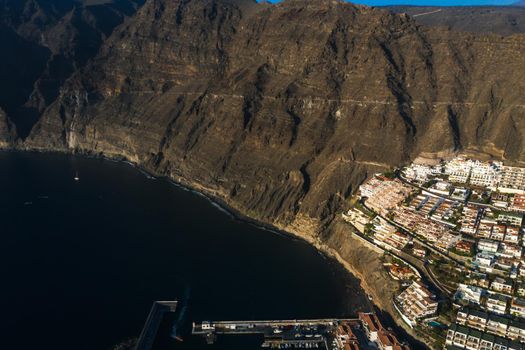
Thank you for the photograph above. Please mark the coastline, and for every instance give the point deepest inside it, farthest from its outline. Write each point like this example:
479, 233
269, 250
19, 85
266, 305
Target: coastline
380, 304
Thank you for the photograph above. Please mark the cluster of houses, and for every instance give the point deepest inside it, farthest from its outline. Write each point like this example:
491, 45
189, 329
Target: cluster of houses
485, 233
432, 231
387, 236
366, 332
497, 238
478, 330
500, 296
384, 194
493, 236
473, 171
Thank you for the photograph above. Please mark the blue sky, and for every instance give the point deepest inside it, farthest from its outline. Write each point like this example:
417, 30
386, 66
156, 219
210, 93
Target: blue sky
432, 2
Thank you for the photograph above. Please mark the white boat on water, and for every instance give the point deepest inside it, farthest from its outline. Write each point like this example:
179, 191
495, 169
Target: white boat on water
76, 177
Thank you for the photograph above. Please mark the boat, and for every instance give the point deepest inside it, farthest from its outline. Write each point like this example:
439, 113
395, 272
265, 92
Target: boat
76, 177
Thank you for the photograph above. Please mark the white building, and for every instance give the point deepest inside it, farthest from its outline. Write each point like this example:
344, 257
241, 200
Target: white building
512, 179
516, 331
502, 285
485, 174
420, 172
517, 307
442, 188
511, 218
476, 172
497, 303
510, 251
469, 294
458, 169
448, 240
485, 260
512, 235
416, 302
488, 246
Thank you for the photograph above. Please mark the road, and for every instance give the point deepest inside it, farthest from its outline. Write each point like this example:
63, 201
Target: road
427, 13
415, 263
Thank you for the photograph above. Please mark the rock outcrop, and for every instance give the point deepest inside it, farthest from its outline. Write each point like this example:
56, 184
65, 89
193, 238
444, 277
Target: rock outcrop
7, 131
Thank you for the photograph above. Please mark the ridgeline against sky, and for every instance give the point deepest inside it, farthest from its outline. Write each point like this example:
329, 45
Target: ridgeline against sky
432, 2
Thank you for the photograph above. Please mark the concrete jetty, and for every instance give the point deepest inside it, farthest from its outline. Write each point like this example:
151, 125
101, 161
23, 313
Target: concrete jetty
149, 332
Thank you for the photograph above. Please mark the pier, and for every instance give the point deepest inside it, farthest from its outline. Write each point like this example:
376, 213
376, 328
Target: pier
314, 333
149, 332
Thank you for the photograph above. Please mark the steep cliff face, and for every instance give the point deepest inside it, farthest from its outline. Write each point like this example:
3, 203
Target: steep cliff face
282, 110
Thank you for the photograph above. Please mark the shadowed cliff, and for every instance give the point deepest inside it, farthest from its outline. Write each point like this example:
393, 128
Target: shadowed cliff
43, 42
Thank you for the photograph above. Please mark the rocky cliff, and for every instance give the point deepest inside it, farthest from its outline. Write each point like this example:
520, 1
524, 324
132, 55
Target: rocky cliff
282, 110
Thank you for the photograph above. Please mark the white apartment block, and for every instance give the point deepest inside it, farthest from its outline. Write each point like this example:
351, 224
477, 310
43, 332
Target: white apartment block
501, 285
421, 172
469, 294
497, 303
485, 174
488, 246
416, 302
476, 172
512, 179
517, 307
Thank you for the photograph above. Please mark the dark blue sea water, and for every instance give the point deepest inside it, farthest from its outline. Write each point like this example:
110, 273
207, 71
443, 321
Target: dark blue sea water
82, 261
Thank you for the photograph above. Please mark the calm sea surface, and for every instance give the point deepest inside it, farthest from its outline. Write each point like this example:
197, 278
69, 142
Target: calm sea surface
82, 261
